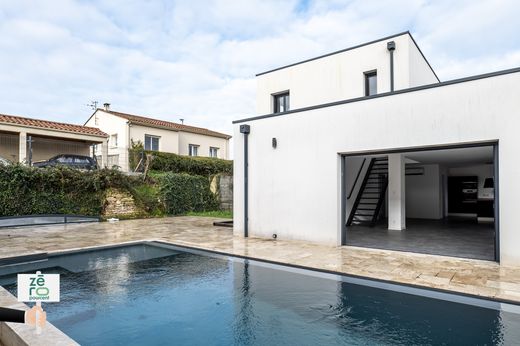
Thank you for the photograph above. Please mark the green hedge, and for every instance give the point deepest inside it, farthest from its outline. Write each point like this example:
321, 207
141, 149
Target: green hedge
168, 162
184, 193
59, 190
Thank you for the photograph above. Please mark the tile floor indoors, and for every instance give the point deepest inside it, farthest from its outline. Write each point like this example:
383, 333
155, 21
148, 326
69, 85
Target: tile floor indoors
476, 277
450, 237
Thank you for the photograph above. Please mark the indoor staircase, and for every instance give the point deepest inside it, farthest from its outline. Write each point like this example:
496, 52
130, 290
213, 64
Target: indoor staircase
371, 195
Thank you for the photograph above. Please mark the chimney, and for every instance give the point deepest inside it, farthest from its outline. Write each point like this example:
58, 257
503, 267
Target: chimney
107, 106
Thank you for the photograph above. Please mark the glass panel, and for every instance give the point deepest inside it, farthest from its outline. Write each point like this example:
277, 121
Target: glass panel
147, 143
281, 103
371, 84
155, 143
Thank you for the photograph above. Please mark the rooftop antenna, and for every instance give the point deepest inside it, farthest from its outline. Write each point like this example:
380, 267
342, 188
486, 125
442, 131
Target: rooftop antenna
182, 121
92, 105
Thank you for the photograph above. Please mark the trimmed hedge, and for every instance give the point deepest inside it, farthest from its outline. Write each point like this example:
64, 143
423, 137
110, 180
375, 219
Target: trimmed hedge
56, 190
183, 193
168, 162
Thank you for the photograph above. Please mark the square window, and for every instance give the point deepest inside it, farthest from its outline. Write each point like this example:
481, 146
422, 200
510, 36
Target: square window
113, 140
213, 152
151, 143
193, 150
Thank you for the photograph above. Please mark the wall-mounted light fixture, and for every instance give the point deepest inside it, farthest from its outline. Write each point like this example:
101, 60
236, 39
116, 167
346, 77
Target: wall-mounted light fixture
274, 143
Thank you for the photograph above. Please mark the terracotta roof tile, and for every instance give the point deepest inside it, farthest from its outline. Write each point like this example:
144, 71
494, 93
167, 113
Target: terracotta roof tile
51, 125
145, 121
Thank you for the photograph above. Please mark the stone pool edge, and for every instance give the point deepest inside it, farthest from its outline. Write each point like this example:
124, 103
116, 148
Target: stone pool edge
16, 334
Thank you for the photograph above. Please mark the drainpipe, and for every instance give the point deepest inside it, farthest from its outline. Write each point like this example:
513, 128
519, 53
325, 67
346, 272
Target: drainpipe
391, 47
246, 129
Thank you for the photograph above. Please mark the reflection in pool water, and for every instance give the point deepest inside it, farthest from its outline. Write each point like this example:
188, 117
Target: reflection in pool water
146, 295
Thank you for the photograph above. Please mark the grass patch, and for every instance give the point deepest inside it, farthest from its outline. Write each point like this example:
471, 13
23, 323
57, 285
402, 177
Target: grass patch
216, 213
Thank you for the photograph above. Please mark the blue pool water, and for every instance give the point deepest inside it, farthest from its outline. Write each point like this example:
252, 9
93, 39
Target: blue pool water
148, 295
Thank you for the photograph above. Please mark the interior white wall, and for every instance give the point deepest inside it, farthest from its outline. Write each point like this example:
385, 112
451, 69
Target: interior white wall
424, 194
294, 189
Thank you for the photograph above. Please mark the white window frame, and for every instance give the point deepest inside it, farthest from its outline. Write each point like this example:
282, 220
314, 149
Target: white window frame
211, 149
193, 148
111, 141
150, 148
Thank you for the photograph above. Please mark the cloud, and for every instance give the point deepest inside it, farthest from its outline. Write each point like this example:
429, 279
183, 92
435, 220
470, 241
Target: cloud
197, 60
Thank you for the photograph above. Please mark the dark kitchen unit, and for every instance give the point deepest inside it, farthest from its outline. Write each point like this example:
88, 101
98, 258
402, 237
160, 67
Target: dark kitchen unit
463, 195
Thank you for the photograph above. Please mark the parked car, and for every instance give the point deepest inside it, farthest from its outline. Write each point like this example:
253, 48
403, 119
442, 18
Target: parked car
4, 162
69, 160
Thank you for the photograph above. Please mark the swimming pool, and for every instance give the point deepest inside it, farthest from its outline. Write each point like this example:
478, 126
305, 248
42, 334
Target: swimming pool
153, 294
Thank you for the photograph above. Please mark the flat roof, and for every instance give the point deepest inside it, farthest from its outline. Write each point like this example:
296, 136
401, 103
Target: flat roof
355, 47
386, 94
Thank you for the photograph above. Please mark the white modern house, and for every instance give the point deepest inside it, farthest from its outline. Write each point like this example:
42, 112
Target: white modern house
366, 147
155, 135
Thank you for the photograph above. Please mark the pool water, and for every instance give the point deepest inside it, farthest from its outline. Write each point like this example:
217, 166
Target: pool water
150, 295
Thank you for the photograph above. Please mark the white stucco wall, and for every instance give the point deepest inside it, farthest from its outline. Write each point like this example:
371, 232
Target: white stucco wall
111, 124
420, 72
341, 76
295, 189
204, 142
168, 142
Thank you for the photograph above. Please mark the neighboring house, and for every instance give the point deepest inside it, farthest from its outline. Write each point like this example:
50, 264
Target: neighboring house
366, 147
156, 135
25, 139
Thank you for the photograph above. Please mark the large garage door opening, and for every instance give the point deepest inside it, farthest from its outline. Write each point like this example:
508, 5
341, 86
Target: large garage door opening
436, 201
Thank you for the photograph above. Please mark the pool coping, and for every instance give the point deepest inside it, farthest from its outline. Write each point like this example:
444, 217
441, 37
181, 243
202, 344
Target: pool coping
20, 334
287, 264
16, 334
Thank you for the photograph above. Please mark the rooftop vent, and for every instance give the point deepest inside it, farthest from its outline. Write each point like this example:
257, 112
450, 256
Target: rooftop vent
106, 106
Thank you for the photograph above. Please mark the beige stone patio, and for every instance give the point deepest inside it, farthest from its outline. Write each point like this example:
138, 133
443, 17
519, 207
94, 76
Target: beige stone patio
476, 277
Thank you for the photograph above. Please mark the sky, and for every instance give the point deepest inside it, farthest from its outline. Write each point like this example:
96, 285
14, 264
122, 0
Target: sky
197, 60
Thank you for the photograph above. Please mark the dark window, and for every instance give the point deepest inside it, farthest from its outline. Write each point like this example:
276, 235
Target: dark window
151, 143
81, 160
193, 150
65, 159
213, 152
370, 83
281, 102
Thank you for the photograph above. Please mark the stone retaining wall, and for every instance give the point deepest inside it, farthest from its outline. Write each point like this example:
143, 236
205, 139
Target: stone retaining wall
120, 203
222, 185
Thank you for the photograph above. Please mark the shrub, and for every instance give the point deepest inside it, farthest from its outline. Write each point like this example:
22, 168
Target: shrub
148, 198
55, 190
183, 193
168, 162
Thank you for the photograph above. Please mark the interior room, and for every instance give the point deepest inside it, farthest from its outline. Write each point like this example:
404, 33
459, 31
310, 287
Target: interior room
435, 201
